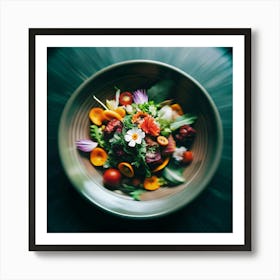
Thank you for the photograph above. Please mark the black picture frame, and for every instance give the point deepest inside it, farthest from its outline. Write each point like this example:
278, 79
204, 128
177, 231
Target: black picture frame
246, 32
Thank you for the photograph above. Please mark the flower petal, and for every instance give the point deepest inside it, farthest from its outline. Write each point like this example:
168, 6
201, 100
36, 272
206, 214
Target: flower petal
86, 145
132, 143
127, 137
138, 140
140, 96
111, 104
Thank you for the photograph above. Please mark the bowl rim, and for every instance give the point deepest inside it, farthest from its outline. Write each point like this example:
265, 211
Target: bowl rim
176, 206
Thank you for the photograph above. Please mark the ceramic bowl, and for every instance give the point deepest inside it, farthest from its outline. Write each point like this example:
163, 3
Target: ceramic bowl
132, 75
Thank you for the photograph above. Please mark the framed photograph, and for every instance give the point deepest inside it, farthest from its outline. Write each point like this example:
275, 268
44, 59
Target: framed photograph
140, 139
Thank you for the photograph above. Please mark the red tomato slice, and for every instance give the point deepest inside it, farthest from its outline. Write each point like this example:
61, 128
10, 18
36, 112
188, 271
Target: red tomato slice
126, 98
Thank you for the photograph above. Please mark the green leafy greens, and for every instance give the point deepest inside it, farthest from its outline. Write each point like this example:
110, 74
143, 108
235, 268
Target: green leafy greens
182, 120
160, 91
97, 135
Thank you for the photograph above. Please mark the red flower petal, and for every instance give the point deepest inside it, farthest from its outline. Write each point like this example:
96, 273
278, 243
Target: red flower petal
149, 126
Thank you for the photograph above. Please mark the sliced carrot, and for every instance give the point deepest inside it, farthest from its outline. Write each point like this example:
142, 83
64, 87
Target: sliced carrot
163, 141
160, 167
98, 156
151, 183
109, 115
177, 108
121, 111
96, 115
126, 169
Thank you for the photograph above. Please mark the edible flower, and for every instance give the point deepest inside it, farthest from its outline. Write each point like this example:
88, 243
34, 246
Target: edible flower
149, 126
140, 96
134, 136
86, 145
179, 153
114, 103
111, 104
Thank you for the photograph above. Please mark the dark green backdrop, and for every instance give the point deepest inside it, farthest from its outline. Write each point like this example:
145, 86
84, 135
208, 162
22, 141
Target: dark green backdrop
68, 211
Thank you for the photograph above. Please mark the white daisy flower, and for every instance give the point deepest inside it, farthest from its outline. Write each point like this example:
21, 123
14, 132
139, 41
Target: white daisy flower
134, 136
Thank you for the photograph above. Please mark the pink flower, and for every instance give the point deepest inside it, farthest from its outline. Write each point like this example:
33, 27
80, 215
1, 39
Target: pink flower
86, 145
140, 96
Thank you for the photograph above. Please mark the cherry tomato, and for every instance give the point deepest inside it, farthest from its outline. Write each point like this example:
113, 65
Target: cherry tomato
187, 157
112, 177
126, 98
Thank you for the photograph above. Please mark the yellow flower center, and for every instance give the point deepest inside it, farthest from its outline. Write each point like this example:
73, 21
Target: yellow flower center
134, 136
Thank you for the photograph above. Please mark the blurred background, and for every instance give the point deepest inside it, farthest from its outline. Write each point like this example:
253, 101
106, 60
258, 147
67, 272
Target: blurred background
68, 211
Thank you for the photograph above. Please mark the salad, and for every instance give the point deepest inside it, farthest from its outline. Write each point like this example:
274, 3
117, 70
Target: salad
139, 140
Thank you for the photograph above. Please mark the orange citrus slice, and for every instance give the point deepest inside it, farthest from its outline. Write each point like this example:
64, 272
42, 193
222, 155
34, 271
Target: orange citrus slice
96, 115
109, 115
121, 111
160, 167
126, 169
98, 156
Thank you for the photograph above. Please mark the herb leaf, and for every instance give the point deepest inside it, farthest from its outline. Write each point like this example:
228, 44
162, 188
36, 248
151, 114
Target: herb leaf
160, 91
97, 135
183, 120
127, 123
134, 192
